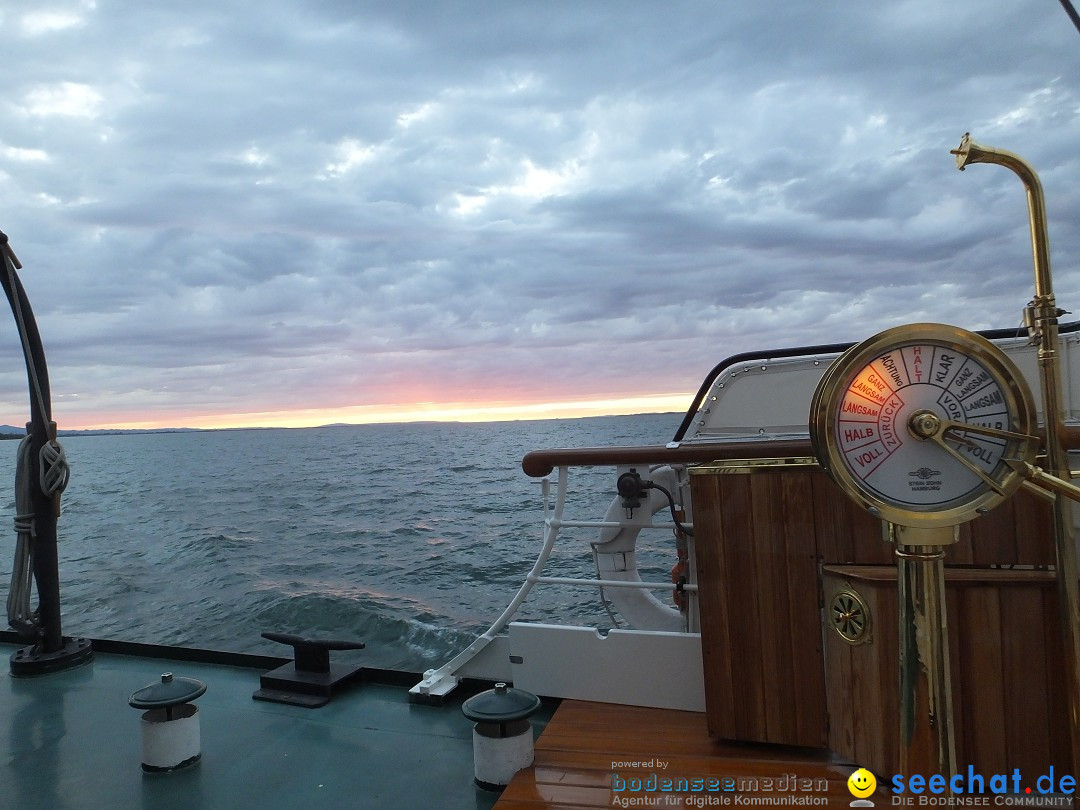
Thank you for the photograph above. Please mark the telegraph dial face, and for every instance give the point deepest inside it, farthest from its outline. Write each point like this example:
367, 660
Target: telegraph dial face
917, 424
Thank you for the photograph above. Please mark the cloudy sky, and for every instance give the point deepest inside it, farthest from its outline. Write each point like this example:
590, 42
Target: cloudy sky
285, 212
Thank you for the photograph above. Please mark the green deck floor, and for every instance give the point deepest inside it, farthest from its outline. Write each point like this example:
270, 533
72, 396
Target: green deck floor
72, 741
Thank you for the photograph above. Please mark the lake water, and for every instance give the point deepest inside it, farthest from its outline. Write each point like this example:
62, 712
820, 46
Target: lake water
411, 537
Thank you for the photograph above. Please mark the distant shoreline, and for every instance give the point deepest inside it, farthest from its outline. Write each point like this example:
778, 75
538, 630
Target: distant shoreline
12, 432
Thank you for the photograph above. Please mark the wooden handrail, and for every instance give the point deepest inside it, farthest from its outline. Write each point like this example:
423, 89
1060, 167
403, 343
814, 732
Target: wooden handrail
539, 463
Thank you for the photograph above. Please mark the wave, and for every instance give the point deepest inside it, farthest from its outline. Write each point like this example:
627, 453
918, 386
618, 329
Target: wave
412, 540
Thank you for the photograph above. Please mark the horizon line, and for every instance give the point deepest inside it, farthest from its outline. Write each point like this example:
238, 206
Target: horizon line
390, 414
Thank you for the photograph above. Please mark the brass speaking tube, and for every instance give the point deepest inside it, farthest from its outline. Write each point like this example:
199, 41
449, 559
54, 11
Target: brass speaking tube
1041, 318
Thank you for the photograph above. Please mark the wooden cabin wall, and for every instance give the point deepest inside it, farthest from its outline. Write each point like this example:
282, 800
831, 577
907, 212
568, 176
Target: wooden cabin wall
757, 567
761, 541
1006, 667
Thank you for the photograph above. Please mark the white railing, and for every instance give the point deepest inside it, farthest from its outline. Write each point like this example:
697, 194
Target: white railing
441, 681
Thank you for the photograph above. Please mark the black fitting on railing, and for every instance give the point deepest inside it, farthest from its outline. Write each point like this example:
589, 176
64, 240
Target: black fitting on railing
631, 489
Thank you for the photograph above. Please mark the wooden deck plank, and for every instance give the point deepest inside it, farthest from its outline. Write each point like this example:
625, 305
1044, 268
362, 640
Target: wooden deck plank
748, 765
586, 744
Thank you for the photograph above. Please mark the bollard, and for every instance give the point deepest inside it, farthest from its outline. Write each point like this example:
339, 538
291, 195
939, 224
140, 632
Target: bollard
502, 736
170, 724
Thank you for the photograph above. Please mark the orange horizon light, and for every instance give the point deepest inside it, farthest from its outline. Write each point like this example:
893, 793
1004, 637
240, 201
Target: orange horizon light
382, 414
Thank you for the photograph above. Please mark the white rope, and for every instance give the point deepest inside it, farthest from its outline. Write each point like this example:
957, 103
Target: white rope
20, 616
53, 468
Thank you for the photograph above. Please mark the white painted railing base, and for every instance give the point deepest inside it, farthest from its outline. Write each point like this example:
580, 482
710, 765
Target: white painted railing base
631, 667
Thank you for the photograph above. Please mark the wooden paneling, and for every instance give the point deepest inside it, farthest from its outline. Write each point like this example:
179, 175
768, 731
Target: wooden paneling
1006, 671
761, 638
1019, 531
842, 532
761, 539
986, 707
862, 691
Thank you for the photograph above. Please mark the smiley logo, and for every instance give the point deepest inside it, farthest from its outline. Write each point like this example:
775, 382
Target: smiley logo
862, 783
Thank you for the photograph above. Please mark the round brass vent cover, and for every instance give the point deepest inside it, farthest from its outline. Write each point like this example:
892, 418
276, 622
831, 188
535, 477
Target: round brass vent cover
849, 616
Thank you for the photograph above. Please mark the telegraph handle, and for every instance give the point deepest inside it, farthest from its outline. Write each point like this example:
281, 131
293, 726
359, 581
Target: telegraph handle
1043, 481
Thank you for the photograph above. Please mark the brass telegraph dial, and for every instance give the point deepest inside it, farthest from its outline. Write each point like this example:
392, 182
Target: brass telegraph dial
919, 424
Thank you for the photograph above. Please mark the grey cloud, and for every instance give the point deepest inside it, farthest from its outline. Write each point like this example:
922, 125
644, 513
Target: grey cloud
283, 205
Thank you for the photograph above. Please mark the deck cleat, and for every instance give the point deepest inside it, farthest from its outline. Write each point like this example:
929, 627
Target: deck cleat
310, 679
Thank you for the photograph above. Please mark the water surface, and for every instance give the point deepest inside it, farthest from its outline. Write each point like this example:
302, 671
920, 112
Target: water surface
411, 538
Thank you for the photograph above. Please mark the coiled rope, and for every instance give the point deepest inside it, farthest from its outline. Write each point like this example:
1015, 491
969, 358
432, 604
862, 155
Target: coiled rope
53, 468
54, 472
53, 476
21, 618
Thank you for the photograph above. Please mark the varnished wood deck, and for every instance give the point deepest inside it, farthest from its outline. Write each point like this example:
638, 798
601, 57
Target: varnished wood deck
578, 756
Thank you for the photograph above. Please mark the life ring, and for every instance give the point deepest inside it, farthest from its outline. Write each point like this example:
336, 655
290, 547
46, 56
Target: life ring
616, 558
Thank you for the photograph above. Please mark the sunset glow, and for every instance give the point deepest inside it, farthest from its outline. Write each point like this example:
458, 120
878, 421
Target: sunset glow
376, 414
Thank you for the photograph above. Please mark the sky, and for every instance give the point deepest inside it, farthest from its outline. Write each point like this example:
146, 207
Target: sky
297, 213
